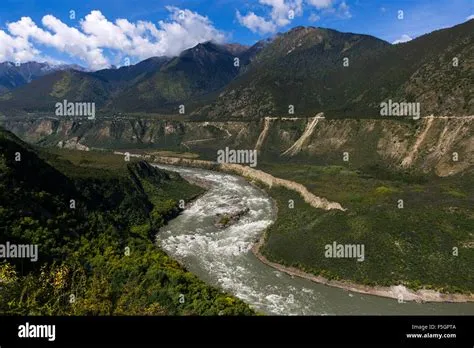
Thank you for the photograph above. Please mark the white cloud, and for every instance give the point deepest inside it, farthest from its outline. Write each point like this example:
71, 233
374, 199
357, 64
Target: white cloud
61, 37
186, 30
470, 17
319, 4
256, 23
15, 48
279, 16
336, 8
402, 39
140, 40
314, 17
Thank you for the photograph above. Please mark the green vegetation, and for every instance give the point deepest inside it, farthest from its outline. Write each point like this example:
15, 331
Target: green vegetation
224, 220
412, 245
285, 73
98, 258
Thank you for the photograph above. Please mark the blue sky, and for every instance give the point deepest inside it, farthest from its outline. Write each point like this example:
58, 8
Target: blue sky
105, 32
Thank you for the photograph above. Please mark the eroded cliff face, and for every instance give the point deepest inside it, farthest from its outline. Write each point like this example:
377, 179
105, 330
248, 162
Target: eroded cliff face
441, 145
434, 144
255, 175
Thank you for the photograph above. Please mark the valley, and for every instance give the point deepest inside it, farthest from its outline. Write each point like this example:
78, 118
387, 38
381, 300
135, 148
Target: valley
314, 172
395, 172
226, 258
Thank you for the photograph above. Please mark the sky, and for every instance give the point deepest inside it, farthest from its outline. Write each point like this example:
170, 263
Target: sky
99, 33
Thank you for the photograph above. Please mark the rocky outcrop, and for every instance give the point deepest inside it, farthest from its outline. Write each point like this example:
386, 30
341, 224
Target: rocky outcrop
73, 144
263, 136
408, 160
296, 147
228, 219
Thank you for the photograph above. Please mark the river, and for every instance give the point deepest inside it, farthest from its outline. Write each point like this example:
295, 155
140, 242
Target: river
223, 257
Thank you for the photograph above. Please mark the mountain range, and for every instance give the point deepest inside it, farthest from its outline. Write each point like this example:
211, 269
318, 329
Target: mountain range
14, 75
296, 74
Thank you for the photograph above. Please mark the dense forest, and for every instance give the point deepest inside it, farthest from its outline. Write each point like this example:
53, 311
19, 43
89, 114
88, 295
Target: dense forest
94, 217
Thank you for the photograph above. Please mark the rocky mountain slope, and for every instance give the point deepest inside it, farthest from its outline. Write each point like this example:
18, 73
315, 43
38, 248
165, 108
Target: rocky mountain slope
349, 75
158, 84
200, 70
298, 73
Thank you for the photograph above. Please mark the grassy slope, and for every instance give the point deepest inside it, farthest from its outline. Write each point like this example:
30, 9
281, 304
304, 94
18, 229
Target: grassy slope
413, 245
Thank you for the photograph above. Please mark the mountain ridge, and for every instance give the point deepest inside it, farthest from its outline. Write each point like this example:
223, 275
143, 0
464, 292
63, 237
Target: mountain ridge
14, 75
306, 70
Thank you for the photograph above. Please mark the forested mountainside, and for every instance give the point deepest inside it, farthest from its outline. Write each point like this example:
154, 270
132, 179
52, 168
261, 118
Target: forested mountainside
298, 73
93, 219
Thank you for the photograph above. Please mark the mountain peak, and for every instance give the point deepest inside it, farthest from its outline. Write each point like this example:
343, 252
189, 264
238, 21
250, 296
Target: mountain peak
302, 67
300, 28
236, 48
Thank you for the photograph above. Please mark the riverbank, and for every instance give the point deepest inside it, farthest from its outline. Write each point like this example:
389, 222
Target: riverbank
254, 175
399, 292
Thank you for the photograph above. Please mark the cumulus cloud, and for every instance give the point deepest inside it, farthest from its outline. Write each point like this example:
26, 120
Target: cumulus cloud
256, 23
281, 14
16, 48
402, 39
470, 17
97, 35
186, 30
61, 37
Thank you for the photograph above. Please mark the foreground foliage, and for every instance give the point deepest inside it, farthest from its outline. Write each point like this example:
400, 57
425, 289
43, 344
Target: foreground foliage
98, 258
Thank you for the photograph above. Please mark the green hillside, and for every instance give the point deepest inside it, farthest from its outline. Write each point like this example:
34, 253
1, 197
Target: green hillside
305, 68
424, 242
96, 253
